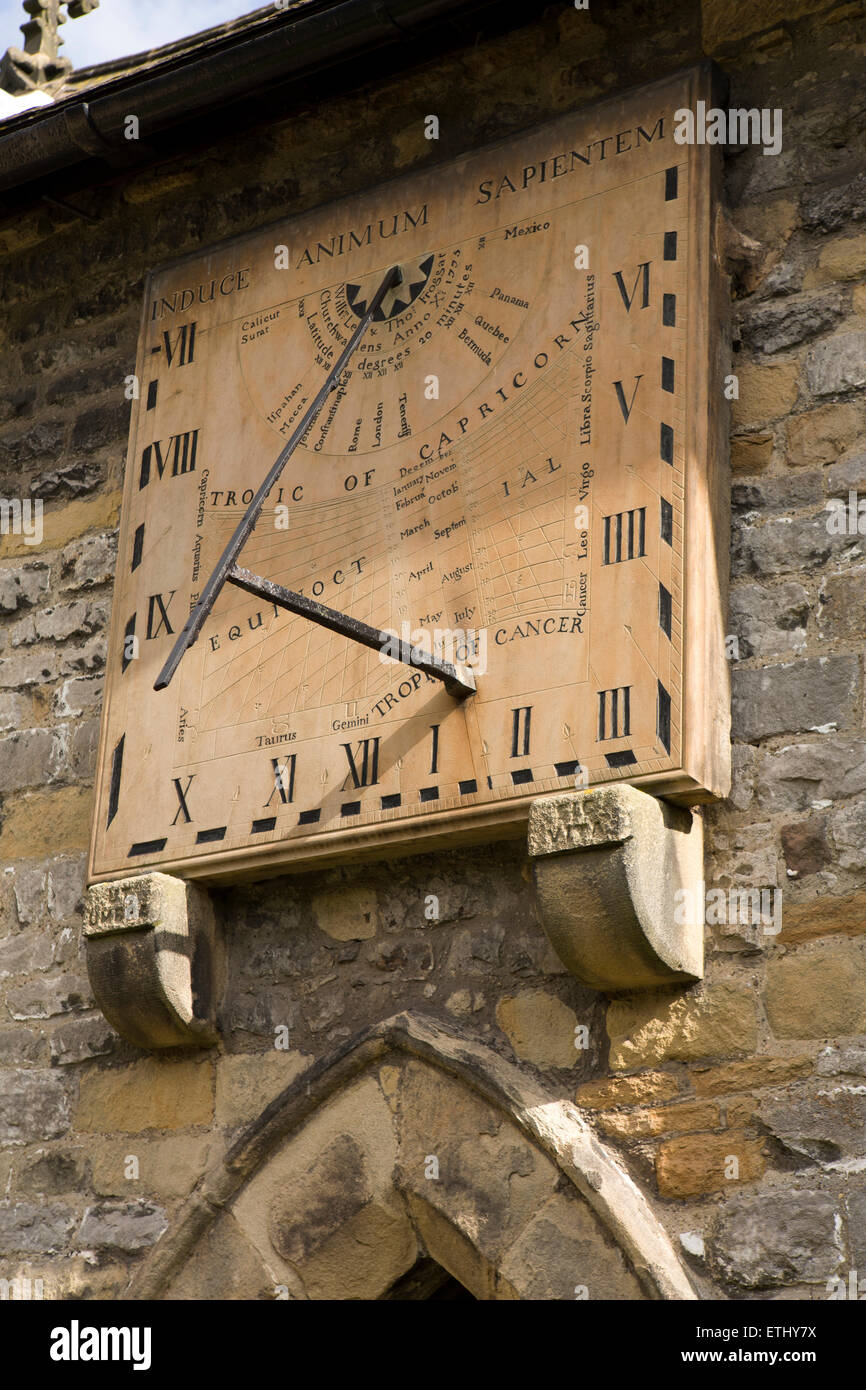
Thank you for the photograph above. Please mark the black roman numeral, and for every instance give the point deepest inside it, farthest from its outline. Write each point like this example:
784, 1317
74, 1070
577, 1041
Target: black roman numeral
183, 347
614, 713
284, 779
158, 610
181, 796
620, 395
624, 535
180, 453
520, 721
642, 274
368, 752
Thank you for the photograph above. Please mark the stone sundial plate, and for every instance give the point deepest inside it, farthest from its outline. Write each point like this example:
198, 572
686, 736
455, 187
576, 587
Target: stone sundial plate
524, 456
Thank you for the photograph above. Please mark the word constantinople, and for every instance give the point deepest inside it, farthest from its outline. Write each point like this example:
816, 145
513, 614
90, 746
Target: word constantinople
735, 127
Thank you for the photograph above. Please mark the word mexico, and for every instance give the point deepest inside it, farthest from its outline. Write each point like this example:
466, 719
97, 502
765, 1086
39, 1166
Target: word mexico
76, 1343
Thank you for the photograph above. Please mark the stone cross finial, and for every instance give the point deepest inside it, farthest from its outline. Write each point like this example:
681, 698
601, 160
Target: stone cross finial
38, 65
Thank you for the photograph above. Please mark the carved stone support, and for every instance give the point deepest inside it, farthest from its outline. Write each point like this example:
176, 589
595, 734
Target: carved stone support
618, 876
154, 959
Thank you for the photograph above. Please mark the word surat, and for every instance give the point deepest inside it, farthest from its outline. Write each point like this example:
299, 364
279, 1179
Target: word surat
518, 461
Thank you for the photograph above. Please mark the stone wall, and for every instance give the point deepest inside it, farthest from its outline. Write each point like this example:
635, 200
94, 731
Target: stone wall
765, 1061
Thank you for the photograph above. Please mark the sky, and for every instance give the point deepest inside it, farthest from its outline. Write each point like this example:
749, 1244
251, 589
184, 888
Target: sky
118, 28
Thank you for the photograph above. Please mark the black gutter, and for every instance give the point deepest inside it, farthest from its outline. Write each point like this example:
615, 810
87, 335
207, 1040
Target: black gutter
283, 50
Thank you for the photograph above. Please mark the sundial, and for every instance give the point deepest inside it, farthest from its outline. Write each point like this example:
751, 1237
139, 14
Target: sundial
421, 511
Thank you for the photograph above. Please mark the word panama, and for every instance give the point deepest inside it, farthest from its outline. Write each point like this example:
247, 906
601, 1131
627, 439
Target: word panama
76, 1343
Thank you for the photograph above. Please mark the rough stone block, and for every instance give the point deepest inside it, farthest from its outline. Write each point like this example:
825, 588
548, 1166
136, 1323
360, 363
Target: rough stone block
37, 824
127, 1227
818, 991
167, 1167
149, 1094
640, 1089
709, 1021
38, 1228
25, 951
666, 1119
837, 365
27, 759
843, 606
824, 1126
696, 1164
81, 1039
347, 914
786, 544
540, 1028
770, 622
51, 1173
88, 562
771, 327
33, 1105
22, 585
794, 697
749, 1075
774, 1239
822, 435
246, 1084
765, 393
47, 997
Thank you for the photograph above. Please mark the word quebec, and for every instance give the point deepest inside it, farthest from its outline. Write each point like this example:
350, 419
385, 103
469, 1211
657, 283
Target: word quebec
735, 127
75, 1343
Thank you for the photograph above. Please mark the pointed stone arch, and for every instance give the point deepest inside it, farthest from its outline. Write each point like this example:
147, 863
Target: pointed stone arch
333, 1193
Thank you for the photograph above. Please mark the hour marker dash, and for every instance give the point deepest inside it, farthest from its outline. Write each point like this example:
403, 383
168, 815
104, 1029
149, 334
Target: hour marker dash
137, 547
309, 817
468, 787
670, 253
146, 847
667, 374
522, 774
128, 632
207, 837
666, 443
350, 808
671, 179
429, 793
623, 759
666, 521
114, 790
669, 310
260, 826
391, 801
152, 389
567, 769
663, 718
665, 610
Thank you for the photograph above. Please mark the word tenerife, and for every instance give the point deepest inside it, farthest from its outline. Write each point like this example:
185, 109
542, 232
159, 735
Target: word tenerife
735, 127
76, 1343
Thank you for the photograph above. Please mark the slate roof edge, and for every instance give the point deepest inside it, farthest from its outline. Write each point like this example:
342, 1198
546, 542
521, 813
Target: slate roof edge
186, 79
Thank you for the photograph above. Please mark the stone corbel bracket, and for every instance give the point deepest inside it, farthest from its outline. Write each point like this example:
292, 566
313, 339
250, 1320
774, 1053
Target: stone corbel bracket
154, 960
619, 877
